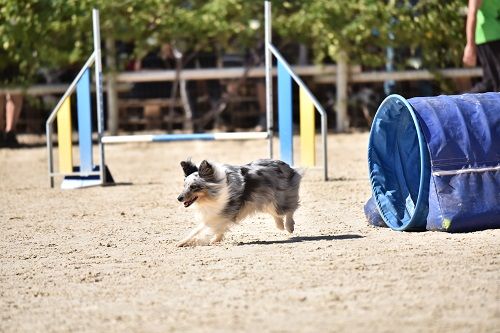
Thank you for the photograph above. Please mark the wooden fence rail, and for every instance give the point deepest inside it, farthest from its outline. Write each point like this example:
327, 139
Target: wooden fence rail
328, 74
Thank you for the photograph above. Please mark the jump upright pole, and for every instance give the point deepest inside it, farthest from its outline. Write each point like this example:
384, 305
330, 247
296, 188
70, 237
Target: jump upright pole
269, 77
98, 82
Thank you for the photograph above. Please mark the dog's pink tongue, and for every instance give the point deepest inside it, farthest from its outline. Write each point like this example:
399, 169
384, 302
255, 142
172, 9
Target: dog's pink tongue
189, 202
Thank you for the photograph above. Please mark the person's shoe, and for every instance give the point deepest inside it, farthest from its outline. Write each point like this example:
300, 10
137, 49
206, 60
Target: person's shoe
2, 139
11, 140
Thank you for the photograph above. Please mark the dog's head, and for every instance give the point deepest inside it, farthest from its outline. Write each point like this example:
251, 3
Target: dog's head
198, 182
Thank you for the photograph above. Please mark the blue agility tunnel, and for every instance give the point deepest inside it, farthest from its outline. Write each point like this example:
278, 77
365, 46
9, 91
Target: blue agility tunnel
434, 163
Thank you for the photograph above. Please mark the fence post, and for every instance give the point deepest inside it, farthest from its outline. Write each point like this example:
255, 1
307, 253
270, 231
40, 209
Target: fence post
342, 78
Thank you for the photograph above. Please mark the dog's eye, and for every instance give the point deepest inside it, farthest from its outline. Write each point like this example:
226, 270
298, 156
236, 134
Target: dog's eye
193, 187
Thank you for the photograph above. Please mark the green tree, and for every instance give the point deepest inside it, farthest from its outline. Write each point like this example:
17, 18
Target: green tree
49, 34
364, 28
38, 34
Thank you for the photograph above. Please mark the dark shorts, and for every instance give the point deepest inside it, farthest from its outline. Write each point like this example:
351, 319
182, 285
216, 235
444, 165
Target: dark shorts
488, 55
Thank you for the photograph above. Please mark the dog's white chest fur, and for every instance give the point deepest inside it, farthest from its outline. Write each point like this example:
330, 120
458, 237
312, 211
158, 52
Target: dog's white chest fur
210, 211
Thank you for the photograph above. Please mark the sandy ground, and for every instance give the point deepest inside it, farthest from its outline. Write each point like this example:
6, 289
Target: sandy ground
104, 259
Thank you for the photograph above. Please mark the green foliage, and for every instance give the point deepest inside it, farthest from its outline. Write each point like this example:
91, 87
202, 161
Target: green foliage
38, 34
364, 28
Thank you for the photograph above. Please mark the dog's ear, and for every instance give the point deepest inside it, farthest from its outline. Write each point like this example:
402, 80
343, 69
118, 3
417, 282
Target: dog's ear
206, 170
244, 171
188, 167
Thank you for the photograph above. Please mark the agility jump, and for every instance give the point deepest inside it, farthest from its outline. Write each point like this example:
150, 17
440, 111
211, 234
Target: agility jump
88, 174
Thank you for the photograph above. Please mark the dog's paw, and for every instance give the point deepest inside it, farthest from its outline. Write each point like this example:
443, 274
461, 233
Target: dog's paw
184, 243
289, 223
216, 239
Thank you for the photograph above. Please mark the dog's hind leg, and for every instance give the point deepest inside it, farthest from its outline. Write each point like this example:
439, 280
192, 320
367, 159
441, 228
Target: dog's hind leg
289, 222
279, 222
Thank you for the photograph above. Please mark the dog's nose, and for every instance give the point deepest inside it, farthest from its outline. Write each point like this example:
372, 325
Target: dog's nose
180, 198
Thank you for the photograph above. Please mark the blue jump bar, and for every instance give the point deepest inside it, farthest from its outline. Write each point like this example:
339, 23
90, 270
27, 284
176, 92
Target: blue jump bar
182, 137
185, 137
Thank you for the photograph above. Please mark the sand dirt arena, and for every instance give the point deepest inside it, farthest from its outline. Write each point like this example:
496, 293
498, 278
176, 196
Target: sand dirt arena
104, 259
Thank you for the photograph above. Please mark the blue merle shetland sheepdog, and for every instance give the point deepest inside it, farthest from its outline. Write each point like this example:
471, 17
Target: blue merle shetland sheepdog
226, 194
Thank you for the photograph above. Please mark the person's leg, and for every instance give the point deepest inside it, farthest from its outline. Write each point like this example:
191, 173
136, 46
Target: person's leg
493, 55
12, 110
2, 120
486, 60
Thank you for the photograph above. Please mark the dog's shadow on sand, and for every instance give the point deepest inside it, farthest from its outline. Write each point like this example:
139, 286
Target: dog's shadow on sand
300, 239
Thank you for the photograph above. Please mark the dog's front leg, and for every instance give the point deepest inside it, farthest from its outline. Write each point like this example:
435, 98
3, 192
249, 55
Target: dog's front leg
188, 241
216, 238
